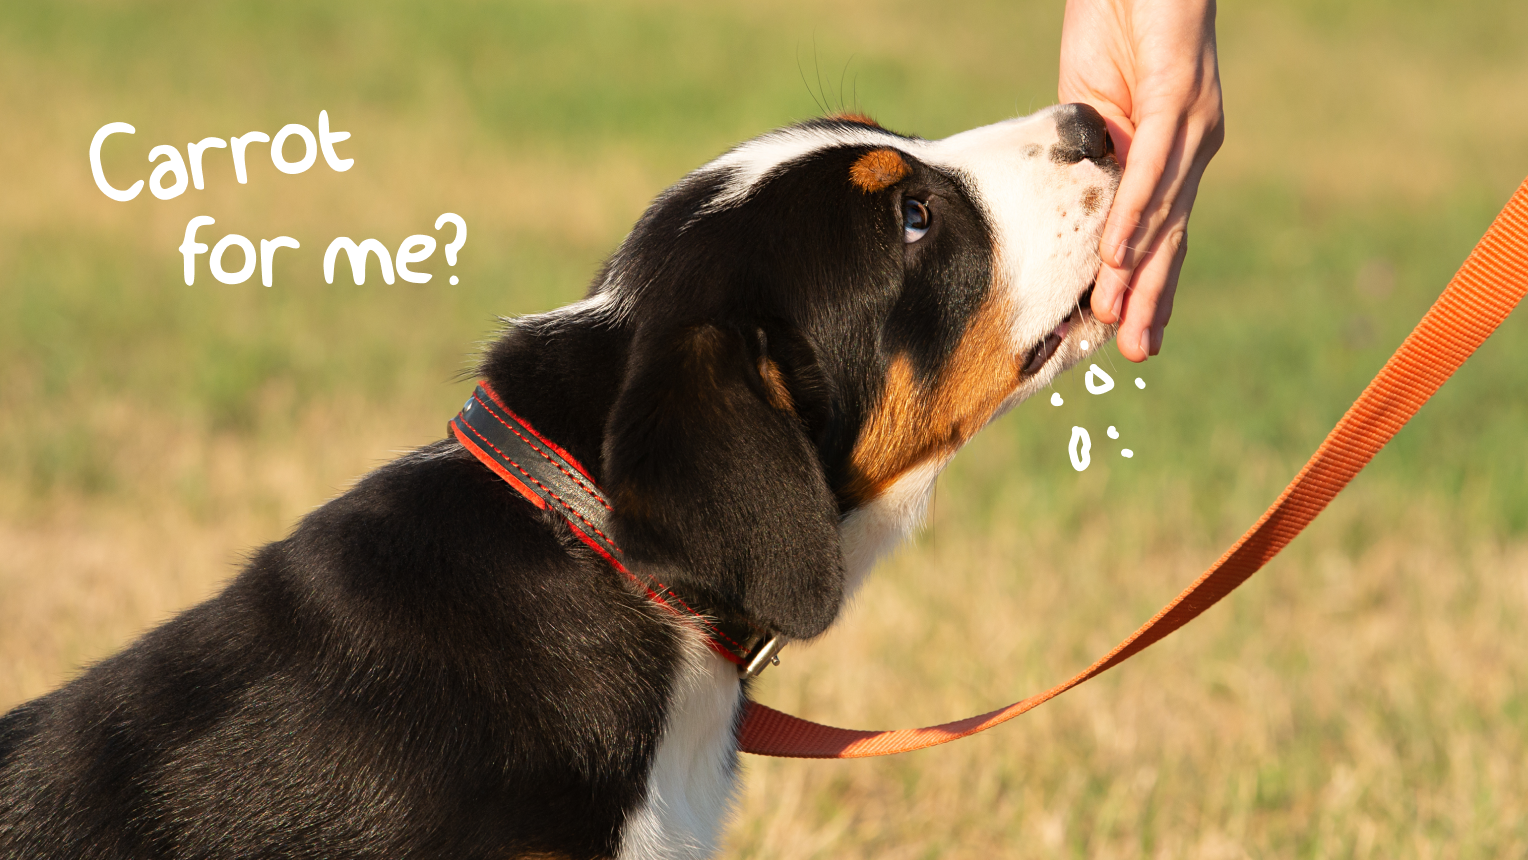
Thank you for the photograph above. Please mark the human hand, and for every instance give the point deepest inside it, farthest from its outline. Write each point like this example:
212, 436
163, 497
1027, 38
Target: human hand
1149, 66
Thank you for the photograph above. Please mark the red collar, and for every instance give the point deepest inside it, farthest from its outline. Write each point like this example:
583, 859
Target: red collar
551, 479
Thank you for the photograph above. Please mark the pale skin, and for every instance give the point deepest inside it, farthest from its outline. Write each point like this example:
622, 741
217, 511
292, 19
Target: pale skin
1149, 66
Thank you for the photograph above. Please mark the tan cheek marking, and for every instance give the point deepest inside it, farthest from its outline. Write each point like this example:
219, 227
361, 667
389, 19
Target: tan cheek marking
912, 423
878, 170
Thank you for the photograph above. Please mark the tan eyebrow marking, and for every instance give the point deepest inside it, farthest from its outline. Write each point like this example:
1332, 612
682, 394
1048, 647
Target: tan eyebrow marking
878, 170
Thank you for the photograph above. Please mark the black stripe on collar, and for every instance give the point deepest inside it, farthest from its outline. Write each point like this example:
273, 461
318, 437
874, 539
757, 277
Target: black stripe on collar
553, 480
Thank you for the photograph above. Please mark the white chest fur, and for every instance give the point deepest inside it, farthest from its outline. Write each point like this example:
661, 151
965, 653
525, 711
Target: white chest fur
875, 529
691, 786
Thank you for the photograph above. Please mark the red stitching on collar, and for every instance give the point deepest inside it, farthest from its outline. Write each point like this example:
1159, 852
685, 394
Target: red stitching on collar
571, 476
561, 452
549, 490
667, 598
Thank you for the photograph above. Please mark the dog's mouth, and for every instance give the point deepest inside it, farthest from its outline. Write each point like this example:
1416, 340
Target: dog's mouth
1041, 352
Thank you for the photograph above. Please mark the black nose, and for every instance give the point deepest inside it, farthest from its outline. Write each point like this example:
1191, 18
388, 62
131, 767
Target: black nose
1082, 133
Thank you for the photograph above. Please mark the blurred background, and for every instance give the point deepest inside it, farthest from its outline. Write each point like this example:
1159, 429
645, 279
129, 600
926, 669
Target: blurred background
1365, 696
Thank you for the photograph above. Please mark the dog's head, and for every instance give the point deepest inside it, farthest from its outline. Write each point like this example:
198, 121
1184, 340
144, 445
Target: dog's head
821, 317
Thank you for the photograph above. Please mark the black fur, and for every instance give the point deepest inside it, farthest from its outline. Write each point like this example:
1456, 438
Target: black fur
429, 666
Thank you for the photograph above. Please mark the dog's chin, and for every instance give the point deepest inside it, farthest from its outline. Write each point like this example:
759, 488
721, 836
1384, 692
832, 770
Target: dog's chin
1061, 348
1086, 330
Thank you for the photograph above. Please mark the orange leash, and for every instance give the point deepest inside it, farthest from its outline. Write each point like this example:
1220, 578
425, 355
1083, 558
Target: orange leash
1486, 289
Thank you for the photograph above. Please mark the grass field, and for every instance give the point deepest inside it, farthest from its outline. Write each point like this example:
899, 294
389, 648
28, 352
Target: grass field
1365, 696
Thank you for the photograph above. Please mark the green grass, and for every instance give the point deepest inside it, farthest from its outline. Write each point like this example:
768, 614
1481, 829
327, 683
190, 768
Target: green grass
1270, 343
1359, 698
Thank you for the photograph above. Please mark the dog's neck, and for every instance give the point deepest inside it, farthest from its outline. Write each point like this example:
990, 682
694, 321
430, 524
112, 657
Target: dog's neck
561, 372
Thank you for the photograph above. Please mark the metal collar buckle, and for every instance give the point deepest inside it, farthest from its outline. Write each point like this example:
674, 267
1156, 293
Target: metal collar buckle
765, 653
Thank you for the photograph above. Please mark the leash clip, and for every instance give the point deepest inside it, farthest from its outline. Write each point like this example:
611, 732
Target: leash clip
765, 654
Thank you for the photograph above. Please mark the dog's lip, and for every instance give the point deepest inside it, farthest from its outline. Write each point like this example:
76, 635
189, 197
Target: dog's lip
1041, 352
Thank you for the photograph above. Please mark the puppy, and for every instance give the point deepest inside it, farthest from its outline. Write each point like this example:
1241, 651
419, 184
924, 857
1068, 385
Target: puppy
764, 380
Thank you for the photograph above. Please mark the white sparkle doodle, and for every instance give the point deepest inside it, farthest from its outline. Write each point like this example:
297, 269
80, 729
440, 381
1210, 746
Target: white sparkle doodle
1080, 455
1124, 452
1104, 383
1079, 448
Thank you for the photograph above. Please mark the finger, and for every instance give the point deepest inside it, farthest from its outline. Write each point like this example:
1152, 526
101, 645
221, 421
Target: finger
1130, 230
1150, 304
1109, 291
1159, 274
1157, 144
1164, 310
1178, 184
1112, 282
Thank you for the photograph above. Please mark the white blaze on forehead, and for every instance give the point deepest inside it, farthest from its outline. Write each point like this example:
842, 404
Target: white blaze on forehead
1028, 200
758, 158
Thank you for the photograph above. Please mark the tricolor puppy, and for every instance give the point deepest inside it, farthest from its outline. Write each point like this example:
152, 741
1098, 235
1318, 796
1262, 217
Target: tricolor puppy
764, 381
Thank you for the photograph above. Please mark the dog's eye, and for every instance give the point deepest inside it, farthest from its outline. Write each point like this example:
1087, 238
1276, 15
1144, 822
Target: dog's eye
915, 219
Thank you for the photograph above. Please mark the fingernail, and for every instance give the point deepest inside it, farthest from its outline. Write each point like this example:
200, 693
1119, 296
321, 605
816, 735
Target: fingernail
1156, 341
1119, 305
1146, 342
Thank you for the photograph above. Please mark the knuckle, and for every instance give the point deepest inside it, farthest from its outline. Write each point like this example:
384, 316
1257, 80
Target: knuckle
1163, 211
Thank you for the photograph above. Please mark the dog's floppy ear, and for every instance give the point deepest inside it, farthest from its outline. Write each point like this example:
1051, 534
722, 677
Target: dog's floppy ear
712, 476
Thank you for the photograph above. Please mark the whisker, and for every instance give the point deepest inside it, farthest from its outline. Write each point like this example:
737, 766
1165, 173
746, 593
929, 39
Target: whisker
841, 76
821, 108
817, 68
1109, 358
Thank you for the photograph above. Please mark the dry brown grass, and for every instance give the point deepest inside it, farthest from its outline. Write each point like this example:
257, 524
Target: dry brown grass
1363, 703
81, 577
1343, 704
